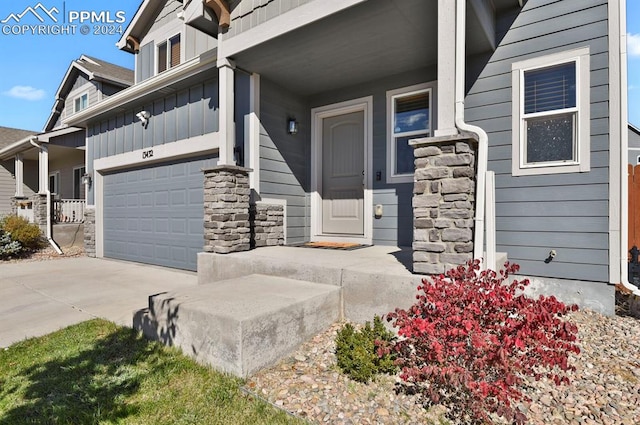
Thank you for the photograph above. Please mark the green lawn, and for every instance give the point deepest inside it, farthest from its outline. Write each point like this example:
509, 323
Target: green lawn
99, 373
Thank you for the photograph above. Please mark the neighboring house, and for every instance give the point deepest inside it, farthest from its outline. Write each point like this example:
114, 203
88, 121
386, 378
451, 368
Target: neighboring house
320, 98
8, 136
634, 145
55, 158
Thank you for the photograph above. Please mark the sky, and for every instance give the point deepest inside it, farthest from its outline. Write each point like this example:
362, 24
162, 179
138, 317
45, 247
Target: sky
35, 64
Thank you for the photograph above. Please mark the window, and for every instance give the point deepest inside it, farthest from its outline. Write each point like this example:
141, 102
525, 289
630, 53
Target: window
77, 182
81, 103
551, 114
54, 182
410, 117
169, 54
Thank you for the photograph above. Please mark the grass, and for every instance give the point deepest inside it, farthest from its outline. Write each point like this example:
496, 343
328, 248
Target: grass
99, 373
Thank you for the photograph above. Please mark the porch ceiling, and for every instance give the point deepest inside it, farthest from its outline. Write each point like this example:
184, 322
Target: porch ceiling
55, 152
373, 40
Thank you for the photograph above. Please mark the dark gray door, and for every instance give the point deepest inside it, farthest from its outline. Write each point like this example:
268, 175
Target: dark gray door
155, 214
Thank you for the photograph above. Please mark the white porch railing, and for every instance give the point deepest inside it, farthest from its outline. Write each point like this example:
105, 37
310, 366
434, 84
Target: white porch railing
68, 211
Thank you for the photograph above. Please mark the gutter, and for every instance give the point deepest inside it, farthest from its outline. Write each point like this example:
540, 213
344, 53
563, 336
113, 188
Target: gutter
483, 139
33, 141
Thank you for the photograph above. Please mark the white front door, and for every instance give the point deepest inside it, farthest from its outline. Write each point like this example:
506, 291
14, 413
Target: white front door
343, 174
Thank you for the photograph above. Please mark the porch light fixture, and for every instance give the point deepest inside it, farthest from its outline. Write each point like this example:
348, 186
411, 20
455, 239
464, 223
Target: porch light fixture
292, 127
86, 179
144, 116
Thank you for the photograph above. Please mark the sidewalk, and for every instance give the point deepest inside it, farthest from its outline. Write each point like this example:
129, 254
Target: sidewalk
37, 298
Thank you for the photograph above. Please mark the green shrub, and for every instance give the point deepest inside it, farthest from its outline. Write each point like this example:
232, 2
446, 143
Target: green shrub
357, 351
28, 234
8, 247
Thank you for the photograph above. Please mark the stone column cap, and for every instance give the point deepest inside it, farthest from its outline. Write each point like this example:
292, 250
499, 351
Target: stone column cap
428, 141
228, 167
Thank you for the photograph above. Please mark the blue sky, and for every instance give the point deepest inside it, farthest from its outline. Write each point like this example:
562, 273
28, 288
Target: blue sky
34, 65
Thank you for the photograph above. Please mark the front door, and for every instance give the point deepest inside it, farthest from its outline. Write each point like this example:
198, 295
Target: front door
343, 175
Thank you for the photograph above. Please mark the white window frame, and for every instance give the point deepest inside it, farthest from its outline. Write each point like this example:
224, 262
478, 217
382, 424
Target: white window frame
582, 137
392, 95
167, 42
76, 99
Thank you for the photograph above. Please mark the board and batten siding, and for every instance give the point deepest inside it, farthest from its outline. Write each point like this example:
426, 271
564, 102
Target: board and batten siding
563, 212
285, 158
188, 113
395, 227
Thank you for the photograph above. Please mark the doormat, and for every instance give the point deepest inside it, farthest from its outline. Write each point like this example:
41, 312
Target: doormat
342, 246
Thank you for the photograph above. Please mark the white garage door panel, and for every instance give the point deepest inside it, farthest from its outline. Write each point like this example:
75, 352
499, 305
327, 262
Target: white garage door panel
155, 215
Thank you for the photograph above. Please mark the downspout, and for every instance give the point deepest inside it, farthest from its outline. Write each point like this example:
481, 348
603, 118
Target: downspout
483, 139
49, 228
624, 152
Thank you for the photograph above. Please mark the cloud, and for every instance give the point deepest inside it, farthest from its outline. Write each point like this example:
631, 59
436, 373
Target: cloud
633, 44
26, 93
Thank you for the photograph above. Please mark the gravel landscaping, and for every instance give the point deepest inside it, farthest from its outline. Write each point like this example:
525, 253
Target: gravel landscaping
604, 389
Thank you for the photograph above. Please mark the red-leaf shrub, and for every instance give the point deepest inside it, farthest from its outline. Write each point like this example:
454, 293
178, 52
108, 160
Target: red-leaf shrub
470, 338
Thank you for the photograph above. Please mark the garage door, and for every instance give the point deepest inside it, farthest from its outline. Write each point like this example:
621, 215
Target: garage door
155, 214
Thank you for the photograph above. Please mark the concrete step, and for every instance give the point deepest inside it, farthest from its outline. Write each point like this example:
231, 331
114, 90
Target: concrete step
240, 325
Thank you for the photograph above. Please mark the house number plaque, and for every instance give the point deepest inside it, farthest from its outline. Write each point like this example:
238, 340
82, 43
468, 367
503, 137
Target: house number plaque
147, 154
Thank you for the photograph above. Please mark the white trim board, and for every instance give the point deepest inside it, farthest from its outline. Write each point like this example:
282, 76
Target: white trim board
174, 150
364, 104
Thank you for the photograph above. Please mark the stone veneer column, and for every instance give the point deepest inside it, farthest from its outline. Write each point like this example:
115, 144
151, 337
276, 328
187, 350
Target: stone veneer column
226, 209
443, 203
40, 210
267, 225
90, 232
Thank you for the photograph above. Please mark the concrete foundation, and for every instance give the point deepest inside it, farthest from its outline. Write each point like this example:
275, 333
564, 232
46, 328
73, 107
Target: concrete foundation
596, 296
68, 235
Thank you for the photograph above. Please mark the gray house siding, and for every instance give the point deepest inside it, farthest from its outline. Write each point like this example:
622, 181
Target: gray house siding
145, 62
8, 183
395, 227
285, 158
564, 212
246, 14
190, 112
81, 86
165, 26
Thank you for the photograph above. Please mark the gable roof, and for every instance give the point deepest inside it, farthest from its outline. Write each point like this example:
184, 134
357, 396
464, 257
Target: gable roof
10, 135
139, 23
634, 129
94, 69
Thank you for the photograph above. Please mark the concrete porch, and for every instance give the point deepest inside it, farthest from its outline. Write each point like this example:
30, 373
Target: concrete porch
252, 308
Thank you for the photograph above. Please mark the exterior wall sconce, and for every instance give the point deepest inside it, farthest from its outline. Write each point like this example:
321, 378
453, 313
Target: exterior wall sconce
292, 127
86, 179
144, 116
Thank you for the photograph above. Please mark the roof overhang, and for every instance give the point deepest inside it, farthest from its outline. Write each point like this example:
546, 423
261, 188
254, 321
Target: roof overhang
25, 144
140, 21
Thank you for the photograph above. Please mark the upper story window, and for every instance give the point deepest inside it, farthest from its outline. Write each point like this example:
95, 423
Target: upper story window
169, 53
551, 114
410, 117
81, 103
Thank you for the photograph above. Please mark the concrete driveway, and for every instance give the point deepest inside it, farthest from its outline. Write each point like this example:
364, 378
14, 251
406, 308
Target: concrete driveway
37, 298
